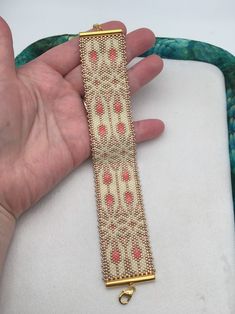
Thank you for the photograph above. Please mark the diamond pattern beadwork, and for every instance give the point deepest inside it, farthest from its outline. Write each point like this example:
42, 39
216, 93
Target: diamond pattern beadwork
124, 240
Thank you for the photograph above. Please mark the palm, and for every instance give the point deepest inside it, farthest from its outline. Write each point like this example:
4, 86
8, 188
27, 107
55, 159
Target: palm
58, 113
52, 135
47, 134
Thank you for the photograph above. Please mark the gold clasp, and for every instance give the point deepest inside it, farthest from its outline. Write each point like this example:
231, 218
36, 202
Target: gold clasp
97, 27
126, 294
97, 30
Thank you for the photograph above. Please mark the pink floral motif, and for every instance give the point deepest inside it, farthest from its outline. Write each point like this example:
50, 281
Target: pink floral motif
99, 109
102, 130
137, 253
128, 197
93, 56
112, 54
109, 200
117, 107
125, 175
107, 178
121, 127
116, 256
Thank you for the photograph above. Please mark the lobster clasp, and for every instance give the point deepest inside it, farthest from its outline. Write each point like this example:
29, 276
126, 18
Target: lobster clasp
126, 294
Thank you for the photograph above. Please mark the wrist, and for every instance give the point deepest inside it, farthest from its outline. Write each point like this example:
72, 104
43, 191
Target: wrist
7, 227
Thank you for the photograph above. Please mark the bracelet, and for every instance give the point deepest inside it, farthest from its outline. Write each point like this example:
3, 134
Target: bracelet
124, 241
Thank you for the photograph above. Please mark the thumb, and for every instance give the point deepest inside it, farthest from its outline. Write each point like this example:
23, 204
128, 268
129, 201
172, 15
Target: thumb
7, 62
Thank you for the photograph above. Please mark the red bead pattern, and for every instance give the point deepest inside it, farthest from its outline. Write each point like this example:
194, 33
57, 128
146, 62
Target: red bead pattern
125, 175
93, 56
128, 197
116, 257
102, 130
124, 241
121, 128
117, 107
107, 179
109, 200
137, 253
112, 54
99, 109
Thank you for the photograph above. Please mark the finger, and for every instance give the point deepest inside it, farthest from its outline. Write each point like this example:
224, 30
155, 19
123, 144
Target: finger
144, 71
137, 42
148, 129
65, 57
7, 63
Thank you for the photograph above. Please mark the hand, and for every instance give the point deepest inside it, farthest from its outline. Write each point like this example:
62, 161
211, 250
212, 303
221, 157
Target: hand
43, 124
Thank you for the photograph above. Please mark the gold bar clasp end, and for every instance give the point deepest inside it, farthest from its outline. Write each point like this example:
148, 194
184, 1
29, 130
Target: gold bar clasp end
124, 281
97, 30
127, 293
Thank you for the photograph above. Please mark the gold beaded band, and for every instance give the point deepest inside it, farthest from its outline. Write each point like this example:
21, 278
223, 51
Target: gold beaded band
124, 241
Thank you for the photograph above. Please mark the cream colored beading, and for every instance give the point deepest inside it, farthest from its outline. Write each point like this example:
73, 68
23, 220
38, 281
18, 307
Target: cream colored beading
124, 240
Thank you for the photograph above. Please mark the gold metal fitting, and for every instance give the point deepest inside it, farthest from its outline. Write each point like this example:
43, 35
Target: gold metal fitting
128, 280
98, 30
97, 27
127, 294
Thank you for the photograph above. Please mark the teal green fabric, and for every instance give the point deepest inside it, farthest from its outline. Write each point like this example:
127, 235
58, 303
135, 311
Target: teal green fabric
170, 48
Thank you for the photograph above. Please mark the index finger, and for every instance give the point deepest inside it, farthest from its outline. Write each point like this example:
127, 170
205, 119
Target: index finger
66, 57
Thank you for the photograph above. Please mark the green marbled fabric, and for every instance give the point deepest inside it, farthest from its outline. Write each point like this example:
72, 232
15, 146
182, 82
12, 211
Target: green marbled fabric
170, 48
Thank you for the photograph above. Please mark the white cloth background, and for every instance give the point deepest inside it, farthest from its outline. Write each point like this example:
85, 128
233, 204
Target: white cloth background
53, 264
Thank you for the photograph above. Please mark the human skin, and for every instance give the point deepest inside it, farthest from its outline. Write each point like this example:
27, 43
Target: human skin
43, 124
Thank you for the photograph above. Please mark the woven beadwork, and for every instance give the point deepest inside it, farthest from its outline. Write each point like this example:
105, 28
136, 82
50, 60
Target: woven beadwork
124, 240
